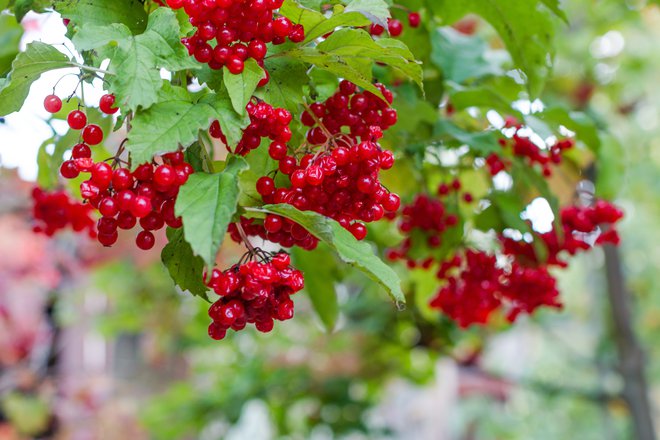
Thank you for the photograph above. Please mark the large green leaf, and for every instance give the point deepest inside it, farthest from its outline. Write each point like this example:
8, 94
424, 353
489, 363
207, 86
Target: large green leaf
176, 120
137, 60
207, 203
27, 68
351, 251
130, 13
285, 88
351, 54
320, 268
186, 269
241, 87
527, 28
481, 142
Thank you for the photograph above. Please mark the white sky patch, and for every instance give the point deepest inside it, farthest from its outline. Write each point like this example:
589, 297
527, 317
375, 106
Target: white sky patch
609, 45
540, 214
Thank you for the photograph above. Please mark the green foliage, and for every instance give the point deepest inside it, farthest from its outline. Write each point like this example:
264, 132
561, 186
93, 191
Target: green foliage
241, 87
185, 268
27, 68
349, 250
10, 36
207, 203
136, 60
129, 13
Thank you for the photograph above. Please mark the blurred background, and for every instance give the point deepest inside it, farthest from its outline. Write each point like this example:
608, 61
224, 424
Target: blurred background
97, 344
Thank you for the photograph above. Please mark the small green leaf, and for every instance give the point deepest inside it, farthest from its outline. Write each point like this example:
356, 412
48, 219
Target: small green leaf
186, 269
207, 203
241, 87
130, 13
350, 250
461, 57
321, 267
10, 38
232, 123
377, 11
285, 88
482, 142
22, 7
27, 68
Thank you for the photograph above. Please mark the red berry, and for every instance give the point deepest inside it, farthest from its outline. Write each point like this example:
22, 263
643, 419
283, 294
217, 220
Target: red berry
77, 120
106, 104
52, 104
92, 134
145, 240
414, 19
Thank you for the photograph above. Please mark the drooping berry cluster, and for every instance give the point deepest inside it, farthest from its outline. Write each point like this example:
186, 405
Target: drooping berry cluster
265, 122
124, 198
228, 32
523, 147
582, 228
352, 114
395, 26
424, 222
255, 292
476, 287
338, 173
54, 211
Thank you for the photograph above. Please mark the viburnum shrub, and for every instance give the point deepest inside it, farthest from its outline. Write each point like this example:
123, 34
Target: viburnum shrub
315, 134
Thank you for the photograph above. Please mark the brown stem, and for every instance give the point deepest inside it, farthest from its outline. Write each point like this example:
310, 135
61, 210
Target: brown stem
631, 354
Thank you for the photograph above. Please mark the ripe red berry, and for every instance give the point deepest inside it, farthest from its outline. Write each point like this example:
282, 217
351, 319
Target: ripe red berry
164, 175
414, 19
77, 120
140, 206
52, 104
68, 170
145, 240
81, 151
106, 104
358, 230
92, 134
395, 27
265, 186
235, 65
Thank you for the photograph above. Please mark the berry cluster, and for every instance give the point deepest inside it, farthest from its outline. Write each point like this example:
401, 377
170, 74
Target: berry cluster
394, 26
476, 287
424, 222
522, 146
265, 122
228, 32
364, 115
338, 176
122, 197
582, 227
54, 211
255, 292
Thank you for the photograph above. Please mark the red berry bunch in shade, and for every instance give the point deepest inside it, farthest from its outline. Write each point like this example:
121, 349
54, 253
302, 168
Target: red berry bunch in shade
265, 122
350, 113
275, 229
124, 198
228, 32
54, 211
255, 292
424, 222
582, 228
523, 147
476, 287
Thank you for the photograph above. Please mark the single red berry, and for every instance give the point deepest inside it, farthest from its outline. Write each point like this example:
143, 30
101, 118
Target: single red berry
106, 104
164, 175
81, 151
358, 230
265, 186
69, 170
235, 65
414, 19
92, 134
395, 27
140, 206
52, 104
145, 240
77, 120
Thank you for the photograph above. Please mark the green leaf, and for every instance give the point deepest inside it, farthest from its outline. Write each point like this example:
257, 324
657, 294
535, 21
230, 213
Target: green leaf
351, 54
22, 7
555, 7
285, 88
321, 266
207, 203
137, 60
376, 11
174, 121
130, 13
27, 68
351, 251
482, 142
10, 38
232, 123
525, 26
317, 24
186, 269
461, 57
241, 87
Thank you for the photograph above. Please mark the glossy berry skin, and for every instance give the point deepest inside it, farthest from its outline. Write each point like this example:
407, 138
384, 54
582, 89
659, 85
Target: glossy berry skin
81, 151
68, 170
77, 120
414, 19
52, 104
145, 240
394, 27
106, 104
92, 134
